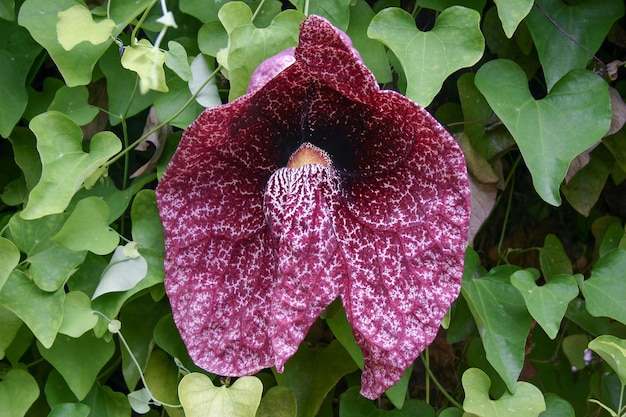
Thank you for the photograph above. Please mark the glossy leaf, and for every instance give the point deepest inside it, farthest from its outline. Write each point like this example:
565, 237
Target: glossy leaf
526, 401
9, 258
455, 42
587, 22
352, 404
312, 372
511, 13
605, 290
613, 350
43, 313
78, 317
200, 398
87, 228
92, 353
546, 303
248, 45
76, 25
578, 108
59, 142
74, 103
502, 320
18, 391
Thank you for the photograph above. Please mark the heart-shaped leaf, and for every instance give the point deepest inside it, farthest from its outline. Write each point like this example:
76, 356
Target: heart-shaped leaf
42, 311
59, 142
588, 22
578, 109
428, 58
526, 402
605, 290
501, 317
613, 351
78, 317
18, 391
176, 60
92, 354
278, 402
74, 103
9, 258
76, 25
554, 260
547, 303
200, 398
511, 13
248, 45
87, 228
147, 61
122, 274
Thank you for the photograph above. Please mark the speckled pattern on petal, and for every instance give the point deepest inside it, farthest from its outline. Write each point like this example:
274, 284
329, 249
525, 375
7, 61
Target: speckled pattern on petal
256, 250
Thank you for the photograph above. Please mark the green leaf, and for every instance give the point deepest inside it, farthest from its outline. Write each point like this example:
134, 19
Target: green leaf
312, 372
64, 164
613, 351
547, 303
588, 22
605, 290
577, 312
574, 347
502, 320
87, 228
41, 311
122, 274
76, 25
248, 45
9, 258
176, 60
557, 407
88, 351
511, 13
147, 61
441, 5
200, 398
166, 337
353, 404
8, 331
577, 108
161, 376
278, 402
553, 259
17, 54
18, 391
167, 105
337, 12
74, 103
78, 317
428, 58
69, 410
527, 401
107, 402
25, 153
201, 69
212, 37
7, 9
57, 391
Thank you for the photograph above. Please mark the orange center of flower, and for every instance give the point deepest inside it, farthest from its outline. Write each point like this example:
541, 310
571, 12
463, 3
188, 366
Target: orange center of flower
308, 154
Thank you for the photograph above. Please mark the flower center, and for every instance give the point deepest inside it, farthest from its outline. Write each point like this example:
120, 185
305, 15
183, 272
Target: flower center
308, 154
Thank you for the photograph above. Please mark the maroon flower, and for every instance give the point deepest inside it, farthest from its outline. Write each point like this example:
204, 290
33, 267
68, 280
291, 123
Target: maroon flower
314, 186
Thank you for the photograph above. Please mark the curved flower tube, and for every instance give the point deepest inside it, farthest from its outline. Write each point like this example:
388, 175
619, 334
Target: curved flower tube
314, 186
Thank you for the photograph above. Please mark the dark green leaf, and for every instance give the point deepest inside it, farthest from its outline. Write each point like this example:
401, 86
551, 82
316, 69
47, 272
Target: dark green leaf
277, 402
352, 404
605, 290
10, 326
554, 260
69, 410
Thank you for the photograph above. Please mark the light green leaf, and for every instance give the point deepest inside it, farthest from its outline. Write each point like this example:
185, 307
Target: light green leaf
428, 58
353, 404
586, 21
613, 351
90, 352
74, 103
212, 37
69, 410
64, 164
76, 65
147, 61
122, 274
502, 319
605, 290
511, 13
578, 108
526, 402
10, 326
248, 45
201, 68
337, 12
176, 60
312, 372
87, 228
553, 259
42, 312
78, 317
140, 401
9, 258
18, 391
547, 303
76, 25
200, 398
278, 402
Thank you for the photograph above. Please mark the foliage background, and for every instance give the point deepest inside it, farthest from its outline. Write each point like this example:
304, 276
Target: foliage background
539, 328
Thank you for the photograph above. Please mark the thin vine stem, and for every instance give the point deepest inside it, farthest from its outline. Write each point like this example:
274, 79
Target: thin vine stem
438, 384
258, 10
143, 17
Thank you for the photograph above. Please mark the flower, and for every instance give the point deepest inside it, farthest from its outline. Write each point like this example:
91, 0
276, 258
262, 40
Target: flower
317, 185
